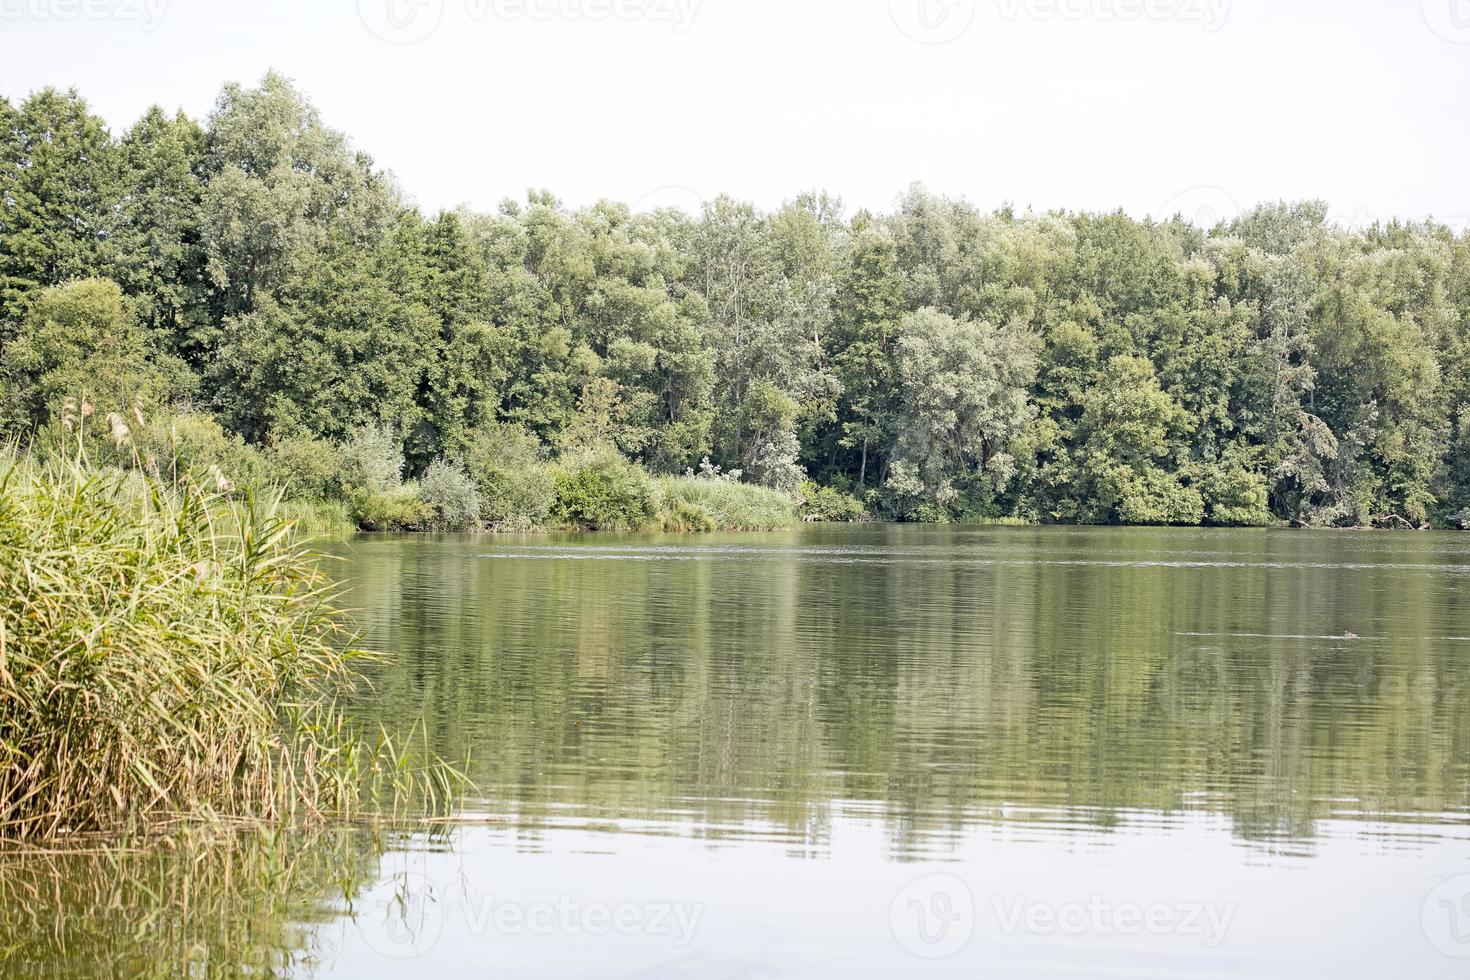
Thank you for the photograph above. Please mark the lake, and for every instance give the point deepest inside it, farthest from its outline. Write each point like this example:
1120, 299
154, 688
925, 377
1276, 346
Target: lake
885, 751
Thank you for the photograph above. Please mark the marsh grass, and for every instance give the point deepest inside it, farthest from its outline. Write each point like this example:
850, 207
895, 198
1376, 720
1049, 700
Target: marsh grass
170, 654
730, 506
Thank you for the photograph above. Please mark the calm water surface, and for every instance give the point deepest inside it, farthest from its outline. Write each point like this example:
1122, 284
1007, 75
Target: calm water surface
896, 751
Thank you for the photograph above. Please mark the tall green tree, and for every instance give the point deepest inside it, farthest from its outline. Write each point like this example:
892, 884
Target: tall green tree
59, 187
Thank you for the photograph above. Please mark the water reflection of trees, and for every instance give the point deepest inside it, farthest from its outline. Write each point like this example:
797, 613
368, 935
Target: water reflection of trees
766, 688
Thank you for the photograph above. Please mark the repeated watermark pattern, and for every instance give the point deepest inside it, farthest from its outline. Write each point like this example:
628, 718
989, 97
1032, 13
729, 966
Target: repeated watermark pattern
411, 21
1450, 19
146, 14
936, 916
1446, 918
1204, 207
678, 197
405, 915
942, 21
1209, 14
932, 21
933, 917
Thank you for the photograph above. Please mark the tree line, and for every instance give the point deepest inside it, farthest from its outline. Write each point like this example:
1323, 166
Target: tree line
933, 363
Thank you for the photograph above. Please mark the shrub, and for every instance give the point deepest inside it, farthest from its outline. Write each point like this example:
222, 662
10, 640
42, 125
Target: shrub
1236, 497
1151, 496
599, 490
732, 506
81, 339
453, 496
399, 509
371, 462
518, 499
517, 487
829, 505
304, 467
191, 445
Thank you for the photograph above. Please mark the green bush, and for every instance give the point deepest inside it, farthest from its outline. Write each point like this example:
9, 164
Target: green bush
517, 487
191, 445
828, 505
371, 462
399, 509
1153, 497
732, 506
453, 496
305, 468
517, 499
599, 490
1236, 497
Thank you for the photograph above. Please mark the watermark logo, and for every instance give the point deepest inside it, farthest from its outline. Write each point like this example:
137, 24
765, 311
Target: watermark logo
932, 21
1204, 207
933, 917
1446, 918
675, 197
400, 21
1450, 19
147, 14
1193, 688
402, 917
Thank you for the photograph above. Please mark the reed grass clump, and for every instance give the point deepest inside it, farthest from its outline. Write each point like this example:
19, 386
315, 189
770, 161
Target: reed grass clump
730, 506
168, 653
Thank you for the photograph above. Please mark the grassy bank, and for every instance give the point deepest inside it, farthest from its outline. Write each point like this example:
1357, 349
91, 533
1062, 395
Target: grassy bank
584, 490
170, 653
696, 504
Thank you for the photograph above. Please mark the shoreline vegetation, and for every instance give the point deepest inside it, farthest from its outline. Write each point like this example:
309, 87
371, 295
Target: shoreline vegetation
172, 659
283, 315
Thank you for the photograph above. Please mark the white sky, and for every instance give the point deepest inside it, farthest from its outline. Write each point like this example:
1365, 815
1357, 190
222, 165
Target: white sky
1194, 105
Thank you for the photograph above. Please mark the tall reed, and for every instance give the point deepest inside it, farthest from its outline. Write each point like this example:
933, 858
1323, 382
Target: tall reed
167, 652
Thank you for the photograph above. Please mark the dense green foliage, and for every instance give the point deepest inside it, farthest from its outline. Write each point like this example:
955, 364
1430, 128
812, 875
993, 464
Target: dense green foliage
167, 655
935, 363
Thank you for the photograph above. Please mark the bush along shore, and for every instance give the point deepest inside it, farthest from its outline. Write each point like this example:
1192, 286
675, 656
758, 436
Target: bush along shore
171, 655
254, 280
506, 483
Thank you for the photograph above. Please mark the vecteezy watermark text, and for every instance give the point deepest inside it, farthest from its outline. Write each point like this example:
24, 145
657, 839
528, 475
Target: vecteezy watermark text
942, 21
148, 14
405, 915
1206, 922
935, 917
675, 921
1210, 13
409, 21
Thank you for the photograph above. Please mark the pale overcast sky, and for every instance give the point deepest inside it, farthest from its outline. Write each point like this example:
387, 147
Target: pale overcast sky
1151, 105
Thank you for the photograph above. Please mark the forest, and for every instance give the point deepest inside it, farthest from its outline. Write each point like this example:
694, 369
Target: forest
250, 299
